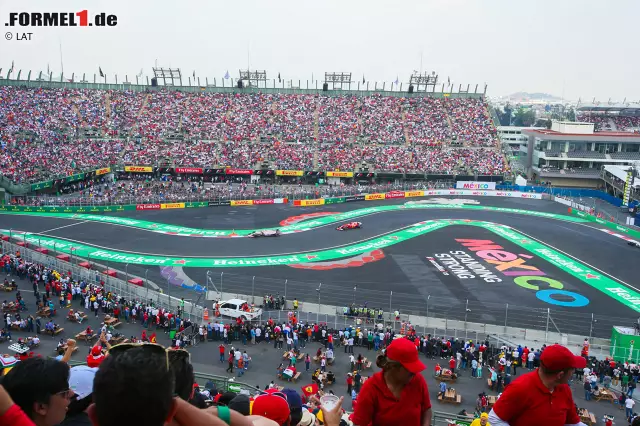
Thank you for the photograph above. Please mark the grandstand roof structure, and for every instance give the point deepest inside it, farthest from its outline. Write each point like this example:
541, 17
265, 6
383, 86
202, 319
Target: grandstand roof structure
628, 109
546, 134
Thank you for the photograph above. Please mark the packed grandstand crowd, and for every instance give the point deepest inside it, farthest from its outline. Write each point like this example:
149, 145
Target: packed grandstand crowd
611, 123
138, 188
41, 131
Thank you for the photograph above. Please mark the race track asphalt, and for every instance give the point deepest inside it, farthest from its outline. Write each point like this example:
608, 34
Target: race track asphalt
416, 285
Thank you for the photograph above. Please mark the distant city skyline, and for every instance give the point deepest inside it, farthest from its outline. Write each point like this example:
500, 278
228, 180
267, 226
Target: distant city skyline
570, 49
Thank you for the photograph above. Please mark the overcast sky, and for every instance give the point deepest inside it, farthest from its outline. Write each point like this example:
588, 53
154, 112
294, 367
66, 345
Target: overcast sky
583, 48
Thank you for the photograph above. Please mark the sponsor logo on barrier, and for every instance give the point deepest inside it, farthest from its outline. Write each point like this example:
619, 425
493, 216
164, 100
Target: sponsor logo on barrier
224, 203
475, 185
369, 197
191, 170
104, 171
340, 174
289, 172
414, 194
394, 194
148, 207
351, 198
238, 171
138, 169
318, 202
172, 206
264, 201
481, 193
241, 202
523, 195
213, 203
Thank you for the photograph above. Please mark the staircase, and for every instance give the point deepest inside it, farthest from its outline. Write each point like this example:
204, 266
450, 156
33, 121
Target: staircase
404, 127
142, 109
107, 106
316, 123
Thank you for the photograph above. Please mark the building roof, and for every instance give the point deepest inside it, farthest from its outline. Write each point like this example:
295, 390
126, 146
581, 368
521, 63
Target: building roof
594, 137
621, 173
619, 108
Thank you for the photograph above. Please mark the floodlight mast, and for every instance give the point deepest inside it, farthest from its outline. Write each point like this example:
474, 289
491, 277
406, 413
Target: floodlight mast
253, 78
168, 76
422, 82
338, 80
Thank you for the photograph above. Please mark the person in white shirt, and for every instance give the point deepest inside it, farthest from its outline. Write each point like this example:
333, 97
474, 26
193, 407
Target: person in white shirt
323, 364
352, 360
530, 357
350, 345
629, 403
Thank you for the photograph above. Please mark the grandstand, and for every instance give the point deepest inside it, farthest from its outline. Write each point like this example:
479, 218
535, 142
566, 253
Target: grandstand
53, 131
611, 117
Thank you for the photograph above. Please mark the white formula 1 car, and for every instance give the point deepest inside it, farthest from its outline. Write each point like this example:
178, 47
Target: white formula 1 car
265, 233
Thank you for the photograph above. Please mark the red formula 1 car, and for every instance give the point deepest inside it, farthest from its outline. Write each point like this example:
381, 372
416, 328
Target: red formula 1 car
350, 225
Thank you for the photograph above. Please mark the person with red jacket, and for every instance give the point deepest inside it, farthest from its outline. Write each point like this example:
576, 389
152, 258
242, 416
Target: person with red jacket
95, 358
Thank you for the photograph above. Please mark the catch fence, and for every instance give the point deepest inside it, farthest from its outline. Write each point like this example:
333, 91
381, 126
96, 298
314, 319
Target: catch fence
95, 273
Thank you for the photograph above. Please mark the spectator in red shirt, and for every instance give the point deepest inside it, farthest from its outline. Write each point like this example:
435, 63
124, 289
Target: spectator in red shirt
542, 396
398, 394
452, 364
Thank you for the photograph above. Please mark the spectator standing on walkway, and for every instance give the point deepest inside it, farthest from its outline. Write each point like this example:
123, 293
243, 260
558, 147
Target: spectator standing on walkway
542, 396
628, 404
398, 394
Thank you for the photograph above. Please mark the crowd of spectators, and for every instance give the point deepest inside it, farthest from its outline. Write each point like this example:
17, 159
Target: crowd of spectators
611, 123
41, 131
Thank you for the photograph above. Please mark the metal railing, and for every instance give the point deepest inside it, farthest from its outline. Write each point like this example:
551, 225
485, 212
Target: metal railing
96, 274
510, 319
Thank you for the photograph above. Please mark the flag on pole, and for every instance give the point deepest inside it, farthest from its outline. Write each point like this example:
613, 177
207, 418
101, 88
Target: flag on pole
226, 76
140, 73
397, 81
194, 74
101, 73
279, 79
12, 66
48, 72
448, 81
363, 79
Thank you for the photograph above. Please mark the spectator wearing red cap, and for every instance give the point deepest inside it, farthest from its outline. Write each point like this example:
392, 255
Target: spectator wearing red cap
273, 406
398, 394
95, 358
542, 396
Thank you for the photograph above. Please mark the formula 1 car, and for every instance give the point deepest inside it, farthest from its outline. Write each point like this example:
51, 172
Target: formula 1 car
265, 233
350, 225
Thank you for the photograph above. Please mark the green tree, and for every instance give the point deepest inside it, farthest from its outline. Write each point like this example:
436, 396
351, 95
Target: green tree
524, 117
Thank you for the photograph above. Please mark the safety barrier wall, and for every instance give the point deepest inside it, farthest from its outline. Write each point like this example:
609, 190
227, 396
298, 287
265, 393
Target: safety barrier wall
413, 194
566, 192
611, 225
133, 207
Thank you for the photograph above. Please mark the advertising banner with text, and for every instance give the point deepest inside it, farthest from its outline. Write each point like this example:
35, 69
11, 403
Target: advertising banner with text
370, 197
491, 186
148, 207
305, 203
103, 171
138, 169
189, 170
289, 172
241, 202
394, 194
172, 206
340, 174
238, 172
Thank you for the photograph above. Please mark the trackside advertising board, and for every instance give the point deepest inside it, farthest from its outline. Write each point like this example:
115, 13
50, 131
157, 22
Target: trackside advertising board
485, 186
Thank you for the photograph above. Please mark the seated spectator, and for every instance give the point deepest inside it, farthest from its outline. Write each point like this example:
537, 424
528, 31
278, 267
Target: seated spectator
40, 387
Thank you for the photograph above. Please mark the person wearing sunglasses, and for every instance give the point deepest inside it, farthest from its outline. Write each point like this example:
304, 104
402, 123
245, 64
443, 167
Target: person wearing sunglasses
40, 387
140, 379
